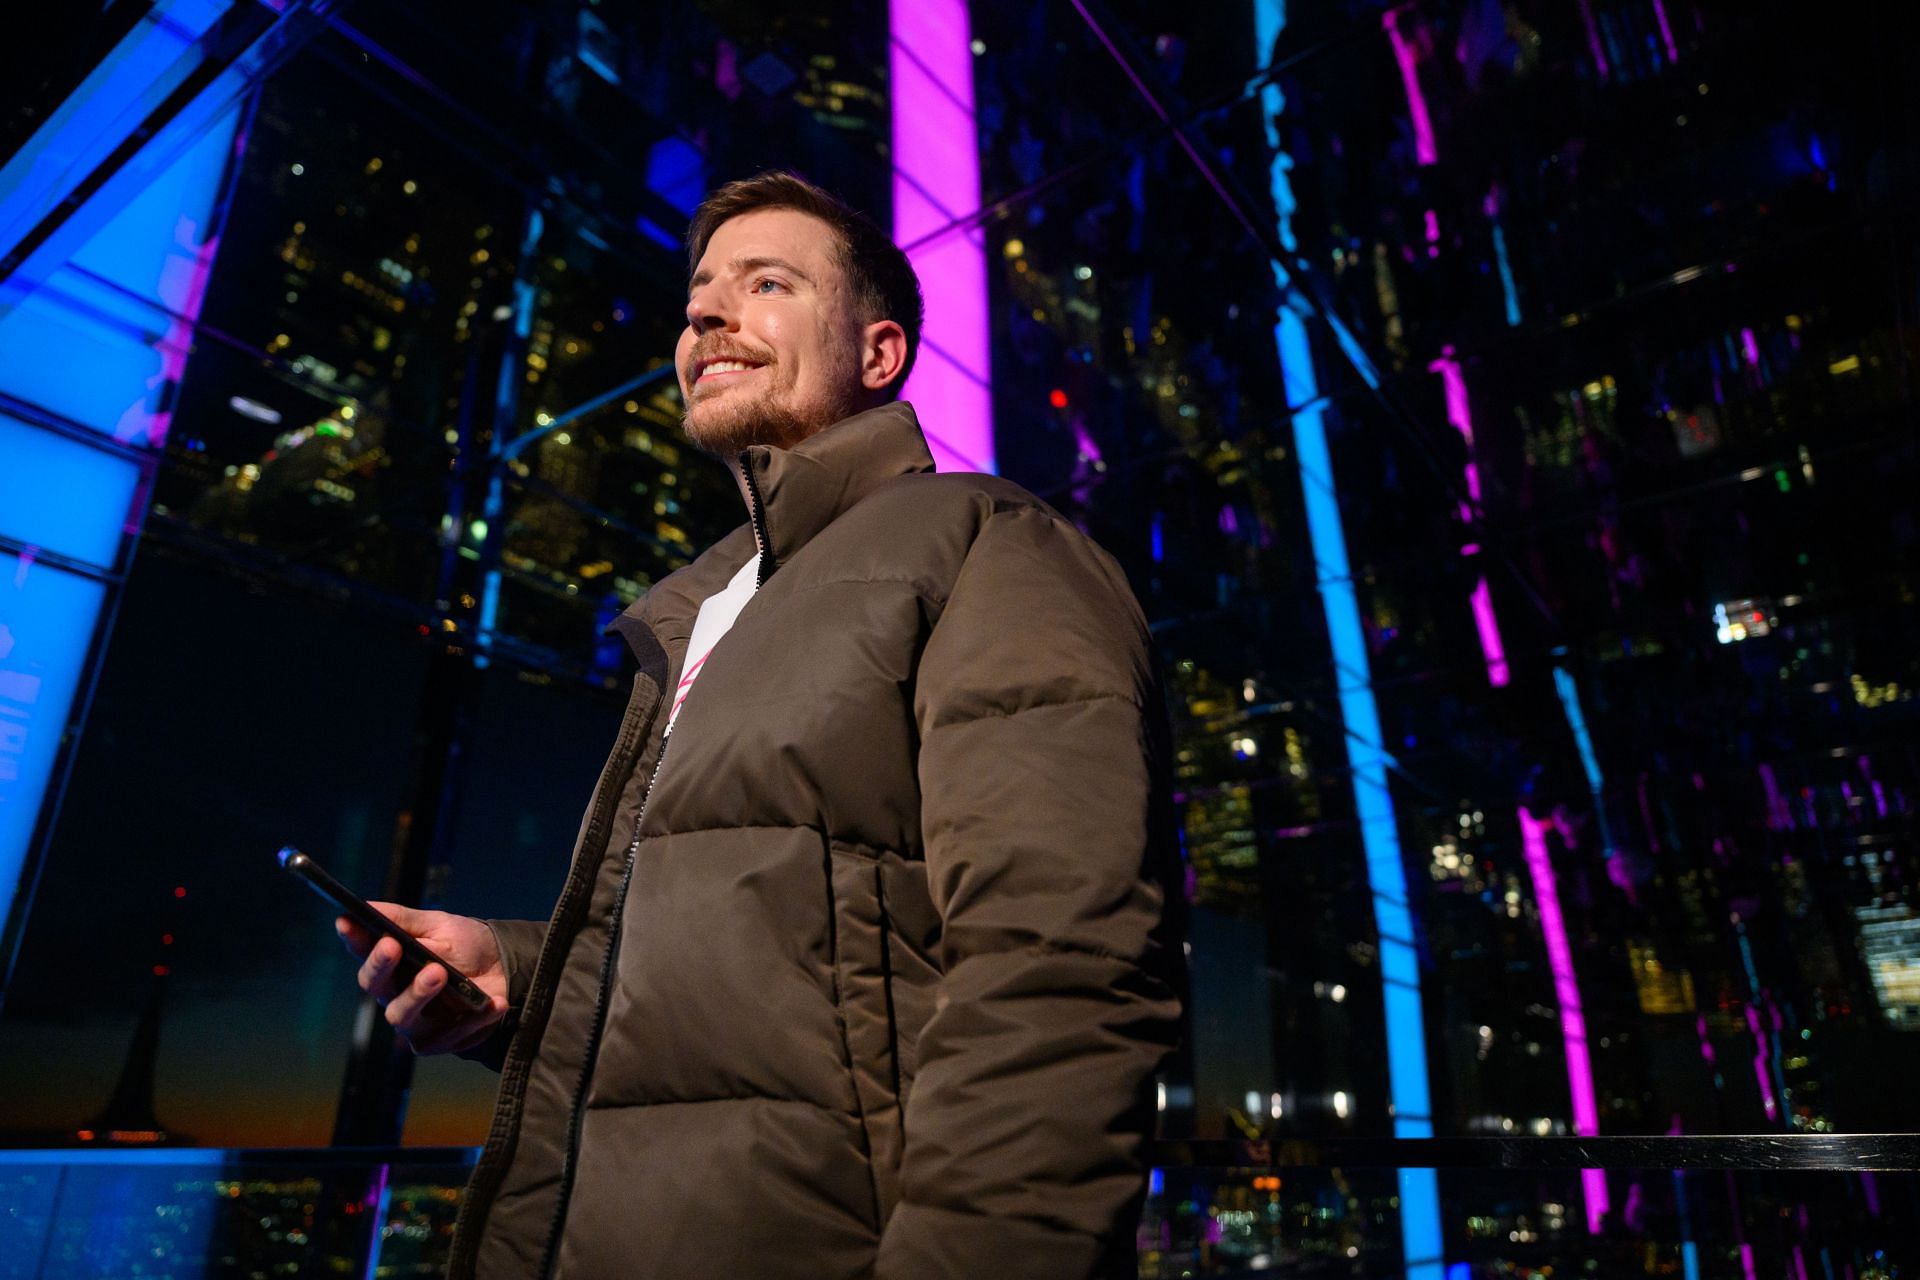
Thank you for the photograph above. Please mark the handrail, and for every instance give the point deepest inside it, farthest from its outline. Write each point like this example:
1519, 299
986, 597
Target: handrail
1871, 1152
254, 1157
1819, 1153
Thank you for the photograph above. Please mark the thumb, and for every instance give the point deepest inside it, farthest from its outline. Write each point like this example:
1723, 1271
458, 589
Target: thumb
408, 918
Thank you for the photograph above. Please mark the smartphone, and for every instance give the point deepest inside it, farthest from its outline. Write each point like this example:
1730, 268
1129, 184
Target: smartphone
413, 956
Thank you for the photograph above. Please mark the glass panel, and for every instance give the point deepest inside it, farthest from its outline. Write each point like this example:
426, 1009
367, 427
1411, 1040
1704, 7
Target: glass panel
536, 746
44, 470
1594, 397
205, 998
47, 619
217, 1213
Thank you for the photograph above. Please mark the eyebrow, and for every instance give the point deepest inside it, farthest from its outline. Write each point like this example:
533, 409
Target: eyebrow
742, 266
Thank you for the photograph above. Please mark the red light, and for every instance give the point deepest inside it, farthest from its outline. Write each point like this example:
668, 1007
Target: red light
1057, 398
85, 1135
166, 939
179, 891
161, 971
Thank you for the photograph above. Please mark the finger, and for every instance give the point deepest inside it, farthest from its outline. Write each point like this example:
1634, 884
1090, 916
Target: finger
379, 976
406, 1008
353, 937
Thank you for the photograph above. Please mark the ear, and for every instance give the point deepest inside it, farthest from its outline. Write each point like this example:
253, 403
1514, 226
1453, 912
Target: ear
883, 354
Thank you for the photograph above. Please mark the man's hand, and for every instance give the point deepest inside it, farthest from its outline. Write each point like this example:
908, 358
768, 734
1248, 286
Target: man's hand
429, 1024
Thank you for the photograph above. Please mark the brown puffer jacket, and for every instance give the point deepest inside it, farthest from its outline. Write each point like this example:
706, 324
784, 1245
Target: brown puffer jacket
878, 988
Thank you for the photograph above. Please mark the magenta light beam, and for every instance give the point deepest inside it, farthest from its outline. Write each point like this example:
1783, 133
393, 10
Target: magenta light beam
1573, 1018
1499, 674
1666, 30
936, 180
1423, 148
1593, 41
1460, 414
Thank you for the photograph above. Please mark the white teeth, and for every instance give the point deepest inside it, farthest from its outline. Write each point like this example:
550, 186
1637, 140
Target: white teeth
727, 366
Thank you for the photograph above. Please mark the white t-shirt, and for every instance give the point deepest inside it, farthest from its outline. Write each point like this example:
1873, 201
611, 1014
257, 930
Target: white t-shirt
714, 620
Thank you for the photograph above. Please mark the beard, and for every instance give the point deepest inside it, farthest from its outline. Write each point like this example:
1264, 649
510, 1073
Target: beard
724, 423
738, 422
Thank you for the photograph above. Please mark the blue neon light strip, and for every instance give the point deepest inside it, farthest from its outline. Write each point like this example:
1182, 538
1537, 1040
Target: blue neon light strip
1577, 721
1569, 691
506, 410
1689, 1251
1506, 275
179, 1157
237, 1157
1408, 1091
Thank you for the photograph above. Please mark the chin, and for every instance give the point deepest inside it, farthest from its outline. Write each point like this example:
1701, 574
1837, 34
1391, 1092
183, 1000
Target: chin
723, 429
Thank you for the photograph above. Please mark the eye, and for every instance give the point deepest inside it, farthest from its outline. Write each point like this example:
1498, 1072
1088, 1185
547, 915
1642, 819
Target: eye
761, 285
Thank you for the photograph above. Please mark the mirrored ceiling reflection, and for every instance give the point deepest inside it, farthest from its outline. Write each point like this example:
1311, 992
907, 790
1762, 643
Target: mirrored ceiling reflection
1594, 308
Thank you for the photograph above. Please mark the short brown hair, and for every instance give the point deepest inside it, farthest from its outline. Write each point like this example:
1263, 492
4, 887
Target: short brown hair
882, 280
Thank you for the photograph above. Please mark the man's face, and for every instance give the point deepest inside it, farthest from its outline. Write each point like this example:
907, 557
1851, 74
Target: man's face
771, 351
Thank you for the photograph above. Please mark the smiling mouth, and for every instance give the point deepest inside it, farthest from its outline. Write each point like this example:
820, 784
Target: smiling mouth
715, 371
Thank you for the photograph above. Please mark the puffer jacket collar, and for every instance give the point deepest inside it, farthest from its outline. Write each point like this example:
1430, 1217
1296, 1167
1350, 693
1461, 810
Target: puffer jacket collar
807, 487
801, 491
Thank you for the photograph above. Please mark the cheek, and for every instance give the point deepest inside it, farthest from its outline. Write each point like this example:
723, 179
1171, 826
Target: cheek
680, 350
793, 343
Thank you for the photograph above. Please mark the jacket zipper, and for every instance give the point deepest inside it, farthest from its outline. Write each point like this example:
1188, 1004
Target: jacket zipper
577, 1115
757, 512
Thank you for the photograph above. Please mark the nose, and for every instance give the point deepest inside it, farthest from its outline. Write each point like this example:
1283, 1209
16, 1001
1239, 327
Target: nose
706, 312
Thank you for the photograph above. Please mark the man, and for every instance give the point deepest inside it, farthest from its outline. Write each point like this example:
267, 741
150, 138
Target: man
858, 969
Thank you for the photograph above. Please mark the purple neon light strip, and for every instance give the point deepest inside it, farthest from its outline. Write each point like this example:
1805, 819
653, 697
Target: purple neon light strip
1666, 30
1423, 148
1768, 1102
1459, 412
1593, 41
1498, 673
1485, 621
1573, 1018
936, 179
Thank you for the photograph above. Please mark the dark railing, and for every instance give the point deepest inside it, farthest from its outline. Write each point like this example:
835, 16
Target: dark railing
1871, 1152
1695, 1208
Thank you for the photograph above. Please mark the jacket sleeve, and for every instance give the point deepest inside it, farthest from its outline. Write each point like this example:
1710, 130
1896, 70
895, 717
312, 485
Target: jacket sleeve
519, 942
1025, 1120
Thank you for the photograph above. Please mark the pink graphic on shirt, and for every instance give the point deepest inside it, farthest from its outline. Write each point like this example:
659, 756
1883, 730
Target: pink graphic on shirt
686, 685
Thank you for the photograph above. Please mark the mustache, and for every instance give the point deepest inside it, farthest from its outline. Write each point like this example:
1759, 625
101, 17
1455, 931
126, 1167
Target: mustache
707, 352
